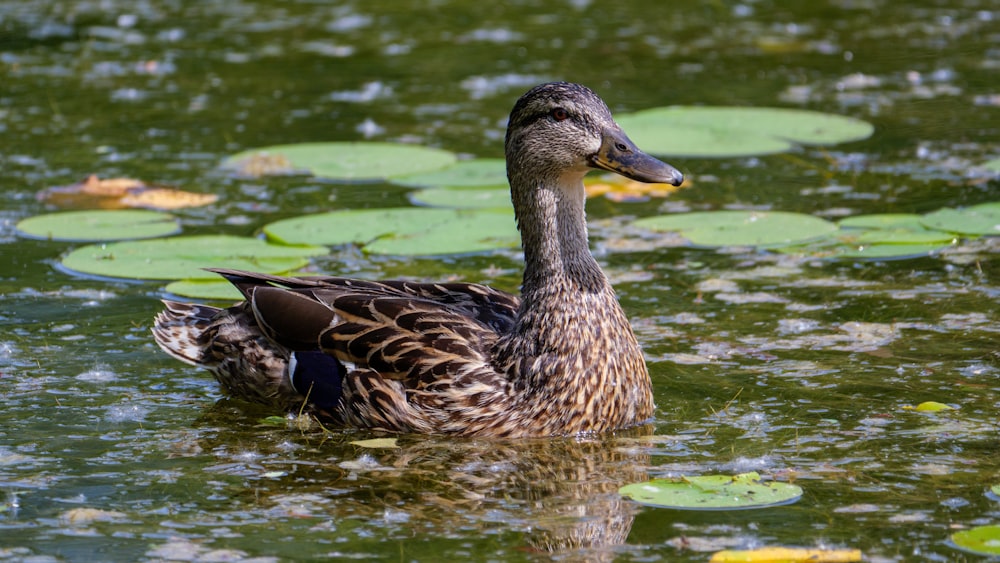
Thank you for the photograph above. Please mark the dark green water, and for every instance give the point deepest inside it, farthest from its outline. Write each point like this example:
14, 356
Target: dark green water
800, 371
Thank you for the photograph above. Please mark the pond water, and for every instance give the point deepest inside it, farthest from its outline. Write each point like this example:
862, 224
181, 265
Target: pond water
801, 370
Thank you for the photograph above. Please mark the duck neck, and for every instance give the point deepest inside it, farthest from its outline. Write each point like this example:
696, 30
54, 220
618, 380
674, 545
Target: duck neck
551, 218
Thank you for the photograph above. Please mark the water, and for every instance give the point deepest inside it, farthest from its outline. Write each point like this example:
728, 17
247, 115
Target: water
801, 371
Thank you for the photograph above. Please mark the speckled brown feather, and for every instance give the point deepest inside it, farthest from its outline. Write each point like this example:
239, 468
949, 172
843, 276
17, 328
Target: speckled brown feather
461, 359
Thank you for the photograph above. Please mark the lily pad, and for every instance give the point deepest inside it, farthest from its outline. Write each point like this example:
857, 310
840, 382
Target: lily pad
712, 492
737, 131
99, 225
403, 231
741, 228
204, 289
879, 251
995, 489
185, 257
983, 219
463, 198
475, 173
352, 162
883, 221
983, 540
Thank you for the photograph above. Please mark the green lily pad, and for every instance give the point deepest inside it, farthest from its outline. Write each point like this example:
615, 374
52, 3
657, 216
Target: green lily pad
995, 489
475, 173
185, 257
983, 219
880, 251
741, 228
403, 231
712, 492
737, 131
463, 198
883, 221
353, 162
96, 225
983, 540
204, 289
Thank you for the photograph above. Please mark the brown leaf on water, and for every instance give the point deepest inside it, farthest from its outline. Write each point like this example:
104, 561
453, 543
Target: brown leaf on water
120, 193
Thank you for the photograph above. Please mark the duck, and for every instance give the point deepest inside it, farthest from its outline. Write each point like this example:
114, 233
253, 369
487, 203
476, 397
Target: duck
458, 359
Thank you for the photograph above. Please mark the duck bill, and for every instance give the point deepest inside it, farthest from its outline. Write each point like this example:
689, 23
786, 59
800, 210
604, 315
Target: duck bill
619, 154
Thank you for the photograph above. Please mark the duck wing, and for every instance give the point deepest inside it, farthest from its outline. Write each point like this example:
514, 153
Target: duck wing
401, 329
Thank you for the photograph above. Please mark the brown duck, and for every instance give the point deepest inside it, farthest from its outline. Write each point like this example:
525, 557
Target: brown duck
454, 358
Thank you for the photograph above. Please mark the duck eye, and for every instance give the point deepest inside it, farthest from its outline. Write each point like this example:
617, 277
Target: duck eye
559, 114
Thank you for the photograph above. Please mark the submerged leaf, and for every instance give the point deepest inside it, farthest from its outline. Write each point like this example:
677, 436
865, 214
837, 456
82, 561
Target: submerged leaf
377, 443
357, 162
712, 492
736, 131
99, 225
186, 257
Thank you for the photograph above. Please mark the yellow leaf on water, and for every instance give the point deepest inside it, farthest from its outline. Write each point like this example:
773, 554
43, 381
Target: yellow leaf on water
930, 406
617, 188
787, 555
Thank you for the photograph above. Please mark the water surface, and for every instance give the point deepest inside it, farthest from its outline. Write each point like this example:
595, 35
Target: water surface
801, 370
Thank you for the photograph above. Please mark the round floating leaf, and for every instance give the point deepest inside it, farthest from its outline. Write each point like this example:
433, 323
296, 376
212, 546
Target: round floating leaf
712, 492
981, 219
736, 131
468, 232
99, 225
185, 257
883, 221
204, 289
463, 198
407, 230
880, 251
479, 172
984, 540
357, 162
741, 228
